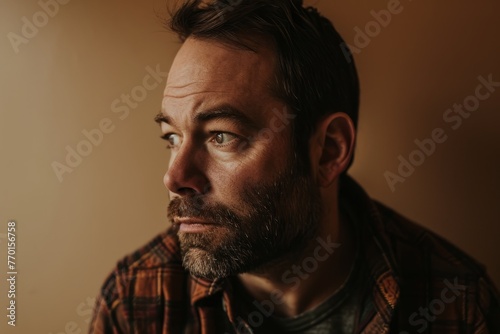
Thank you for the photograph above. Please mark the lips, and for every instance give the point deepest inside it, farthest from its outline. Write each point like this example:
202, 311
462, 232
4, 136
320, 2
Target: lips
192, 225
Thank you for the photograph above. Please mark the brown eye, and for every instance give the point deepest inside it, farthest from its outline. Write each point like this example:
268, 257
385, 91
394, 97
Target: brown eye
222, 138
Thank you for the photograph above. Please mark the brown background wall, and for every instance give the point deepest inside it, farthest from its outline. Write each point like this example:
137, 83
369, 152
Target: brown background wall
67, 76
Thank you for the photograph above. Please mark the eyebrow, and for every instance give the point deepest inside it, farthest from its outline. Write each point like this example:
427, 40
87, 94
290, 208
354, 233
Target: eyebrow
161, 118
225, 112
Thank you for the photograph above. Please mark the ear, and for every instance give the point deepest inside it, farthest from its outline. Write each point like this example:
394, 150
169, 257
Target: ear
333, 147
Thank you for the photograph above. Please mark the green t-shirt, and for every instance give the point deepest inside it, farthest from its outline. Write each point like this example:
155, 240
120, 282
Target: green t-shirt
339, 313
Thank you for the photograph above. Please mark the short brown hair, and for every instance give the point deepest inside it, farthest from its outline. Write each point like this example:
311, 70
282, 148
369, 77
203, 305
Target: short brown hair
313, 77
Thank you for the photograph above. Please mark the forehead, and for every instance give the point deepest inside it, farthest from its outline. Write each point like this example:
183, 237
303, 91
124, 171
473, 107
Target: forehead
207, 72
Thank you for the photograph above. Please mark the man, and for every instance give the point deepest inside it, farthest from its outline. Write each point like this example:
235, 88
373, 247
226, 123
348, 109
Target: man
269, 234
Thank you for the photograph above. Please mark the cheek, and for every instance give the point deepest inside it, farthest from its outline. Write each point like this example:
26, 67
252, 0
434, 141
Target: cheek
229, 180
257, 166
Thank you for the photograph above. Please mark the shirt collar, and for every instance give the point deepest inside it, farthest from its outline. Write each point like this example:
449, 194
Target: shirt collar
380, 258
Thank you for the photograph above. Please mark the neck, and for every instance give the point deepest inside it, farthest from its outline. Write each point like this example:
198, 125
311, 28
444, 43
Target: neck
292, 285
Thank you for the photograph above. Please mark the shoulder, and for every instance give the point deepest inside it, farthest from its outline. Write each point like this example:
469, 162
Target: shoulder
407, 239
141, 283
438, 280
163, 250
406, 245
158, 259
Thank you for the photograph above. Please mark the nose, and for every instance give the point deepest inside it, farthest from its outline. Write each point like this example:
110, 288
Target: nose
186, 174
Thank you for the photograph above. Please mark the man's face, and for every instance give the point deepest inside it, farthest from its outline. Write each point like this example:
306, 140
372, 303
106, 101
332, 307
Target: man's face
238, 200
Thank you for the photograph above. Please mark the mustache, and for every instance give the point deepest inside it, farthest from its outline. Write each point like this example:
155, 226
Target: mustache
196, 207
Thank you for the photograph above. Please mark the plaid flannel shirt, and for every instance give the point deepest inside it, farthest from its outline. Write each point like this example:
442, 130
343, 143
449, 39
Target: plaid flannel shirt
419, 284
